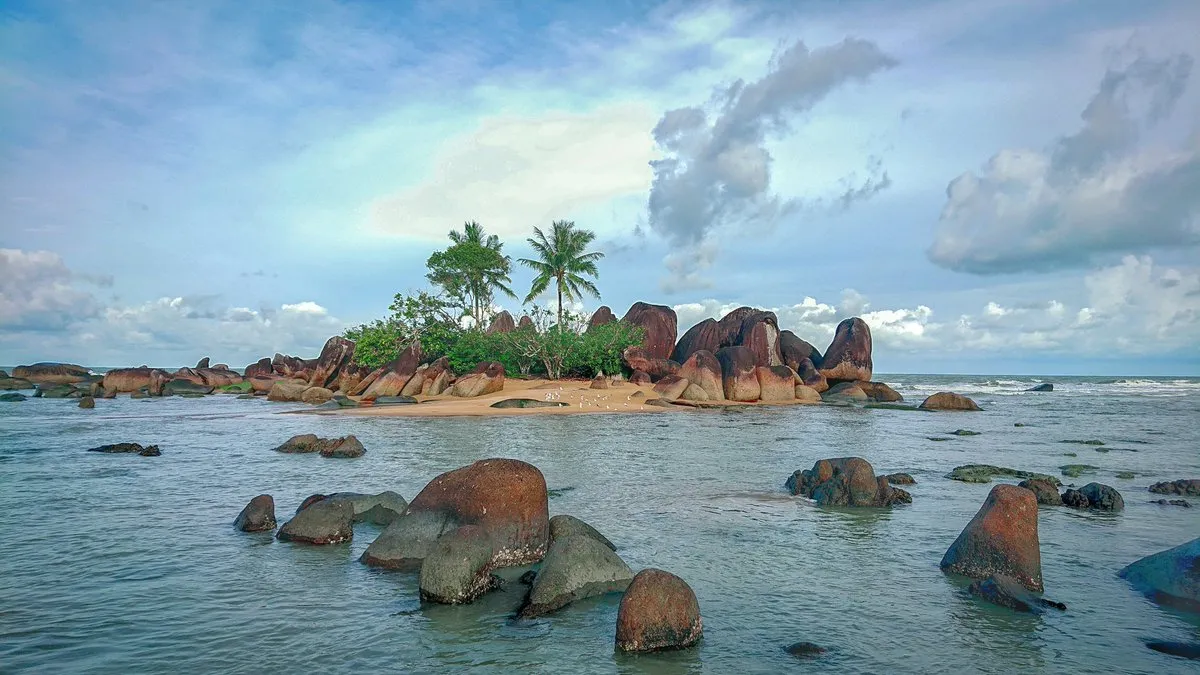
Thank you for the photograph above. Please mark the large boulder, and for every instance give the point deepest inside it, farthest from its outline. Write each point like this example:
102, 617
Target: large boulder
576, 566
760, 334
287, 391
946, 400
880, 392
203, 363
1002, 539
704, 336
128, 448
639, 360
601, 316
639, 378
349, 377
525, 323
658, 611
124, 380
849, 355
14, 383
811, 377
261, 368
806, 394
55, 373
739, 374
794, 350
845, 481
346, 447
257, 516
430, 379
660, 325
1188, 487
1170, 577
395, 376
502, 322
337, 353
776, 383
316, 395
458, 568
506, 497
729, 326
288, 366
1095, 496
671, 387
703, 370
845, 392
1006, 592
185, 387
324, 522
487, 378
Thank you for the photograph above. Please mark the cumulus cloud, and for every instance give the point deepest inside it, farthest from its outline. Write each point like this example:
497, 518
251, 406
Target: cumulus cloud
39, 292
717, 169
1104, 189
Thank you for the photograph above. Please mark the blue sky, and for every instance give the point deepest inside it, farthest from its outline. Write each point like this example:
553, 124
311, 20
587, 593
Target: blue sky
996, 186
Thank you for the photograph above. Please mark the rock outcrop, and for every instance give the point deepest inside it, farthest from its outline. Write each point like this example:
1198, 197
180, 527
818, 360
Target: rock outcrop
849, 355
946, 400
1170, 577
671, 387
660, 325
502, 322
335, 355
703, 370
845, 481
1184, 486
1002, 539
128, 380
730, 325
739, 374
430, 379
658, 611
257, 516
394, 378
640, 360
51, 373
704, 336
759, 333
261, 368
487, 378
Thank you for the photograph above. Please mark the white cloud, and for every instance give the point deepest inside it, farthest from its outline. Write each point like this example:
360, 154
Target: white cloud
306, 307
37, 291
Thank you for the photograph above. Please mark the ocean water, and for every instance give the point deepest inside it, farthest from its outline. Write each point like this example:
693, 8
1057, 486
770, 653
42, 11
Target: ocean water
121, 564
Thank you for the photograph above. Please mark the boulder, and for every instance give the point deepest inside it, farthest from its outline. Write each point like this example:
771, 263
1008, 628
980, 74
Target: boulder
55, 373
658, 611
1045, 386
57, 391
1002, 539
430, 379
794, 351
880, 392
502, 322
639, 360
1187, 650
776, 383
1184, 486
262, 385
528, 403
844, 392
639, 378
458, 567
257, 516
13, 397
287, 391
336, 354
1075, 499
219, 377
288, 366
565, 526
487, 378
183, 387
316, 395
381, 509
811, 377
14, 383
760, 334
122, 380
309, 501
983, 473
1098, 497
845, 481
324, 522
1170, 577
1045, 492
671, 387
128, 448
694, 393
900, 479
408, 539
1161, 502
349, 377
599, 382
805, 650
601, 316
202, 363
660, 325
739, 376
806, 394
261, 368
394, 378
730, 326
946, 400
525, 323
506, 497
576, 566
1007, 592
704, 336
87, 402
346, 447
849, 355
300, 444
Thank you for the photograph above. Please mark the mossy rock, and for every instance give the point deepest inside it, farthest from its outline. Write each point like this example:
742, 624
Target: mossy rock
1076, 470
1125, 475
984, 473
1077, 442
964, 432
239, 388
891, 406
1070, 454
528, 403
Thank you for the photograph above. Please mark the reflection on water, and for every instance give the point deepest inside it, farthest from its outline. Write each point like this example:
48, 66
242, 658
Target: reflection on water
117, 564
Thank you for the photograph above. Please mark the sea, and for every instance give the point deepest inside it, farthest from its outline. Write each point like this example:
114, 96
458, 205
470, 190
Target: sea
128, 564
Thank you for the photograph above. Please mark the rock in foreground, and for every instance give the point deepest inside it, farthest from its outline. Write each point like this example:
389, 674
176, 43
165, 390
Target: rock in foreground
845, 481
458, 569
659, 611
1170, 577
576, 566
324, 522
1002, 539
257, 516
565, 526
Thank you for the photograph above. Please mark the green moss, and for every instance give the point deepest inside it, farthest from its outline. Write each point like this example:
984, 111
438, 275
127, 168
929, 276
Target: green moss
984, 473
1070, 454
1126, 475
1076, 470
239, 388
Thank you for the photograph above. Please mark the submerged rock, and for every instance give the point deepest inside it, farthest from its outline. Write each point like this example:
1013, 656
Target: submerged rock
322, 523
658, 611
983, 473
1187, 650
576, 566
257, 516
900, 479
13, 397
964, 432
1186, 487
299, 444
408, 540
946, 400
458, 568
1172, 502
527, 403
845, 481
1045, 386
347, 447
87, 402
1103, 497
129, 448
804, 650
1170, 577
1002, 539
1007, 592
880, 392
1076, 470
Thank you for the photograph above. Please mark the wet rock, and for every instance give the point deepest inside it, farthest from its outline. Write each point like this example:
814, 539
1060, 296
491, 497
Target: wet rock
703, 370
794, 351
849, 355
14, 384
565, 526
760, 334
776, 383
1044, 491
1172, 502
1002, 539
661, 328
739, 376
1075, 499
287, 391
300, 443
87, 402
344, 402
1095, 496
408, 540
576, 566
502, 322
1077, 442
900, 479
845, 481
316, 395
804, 650
704, 336
964, 432
380, 509
658, 611
1007, 592
321, 523
257, 516
880, 392
1186, 487
845, 392
671, 387
639, 360
51, 373
183, 387
128, 448
1187, 650
487, 378
346, 447
1076, 470
1045, 386
13, 397
458, 568
806, 394
527, 403
946, 400
1170, 577
57, 391
983, 473
603, 315
310, 500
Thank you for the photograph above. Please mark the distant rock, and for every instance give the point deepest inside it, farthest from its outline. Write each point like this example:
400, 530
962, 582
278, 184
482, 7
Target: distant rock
487, 378
704, 336
393, 379
845, 481
257, 516
1161, 502
184, 387
51, 373
502, 322
202, 363
287, 391
300, 444
344, 402
261, 368
336, 354
128, 448
658, 611
1187, 650
1002, 539
946, 400
794, 350
963, 432
739, 374
576, 566
1170, 577
322, 523
1044, 491
729, 326
1045, 386
849, 355
1189, 487
14, 383
603, 315
431, 379
660, 325
527, 403
525, 323
346, 447
880, 392
599, 382
13, 397
122, 380
639, 378
804, 650
984, 473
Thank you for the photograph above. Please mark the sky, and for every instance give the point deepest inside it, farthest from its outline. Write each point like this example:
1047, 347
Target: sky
996, 186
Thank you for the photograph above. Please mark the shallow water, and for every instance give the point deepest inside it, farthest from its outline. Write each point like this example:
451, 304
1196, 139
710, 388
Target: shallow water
117, 564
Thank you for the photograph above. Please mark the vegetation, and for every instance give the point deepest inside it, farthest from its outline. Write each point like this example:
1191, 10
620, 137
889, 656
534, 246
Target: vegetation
421, 320
470, 272
561, 259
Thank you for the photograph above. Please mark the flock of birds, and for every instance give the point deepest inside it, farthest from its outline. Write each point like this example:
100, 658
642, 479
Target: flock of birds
583, 403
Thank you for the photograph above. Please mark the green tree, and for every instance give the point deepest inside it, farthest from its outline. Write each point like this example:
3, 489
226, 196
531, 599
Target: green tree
471, 270
562, 259
419, 319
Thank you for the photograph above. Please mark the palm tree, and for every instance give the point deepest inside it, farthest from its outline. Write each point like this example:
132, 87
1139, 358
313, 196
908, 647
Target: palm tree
563, 261
473, 268
473, 234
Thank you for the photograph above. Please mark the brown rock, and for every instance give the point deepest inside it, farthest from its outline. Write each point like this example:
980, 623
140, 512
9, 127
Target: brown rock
288, 366
730, 325
880, 392
806, 394
1001, 539
811, 377
658, 611
262, 368
87, 402
346, 447
776, 383
202, 363
760, 334
1044, 491
703, 370
946, 400
431, 379
704, 336
845, 391
794, 350
487, 378
258, 516
849, 355
639, 378
739, 376
845, 481
694, 393
122, 380
638, 359
601, 316
501, 323
287, 391
660, 325
394, 377
349, 377
599, 382
315, 395
263, 384
671, 387
55, 373
337, 353
525, 323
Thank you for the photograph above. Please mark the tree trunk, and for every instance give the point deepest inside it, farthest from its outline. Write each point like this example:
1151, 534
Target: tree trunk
560, 327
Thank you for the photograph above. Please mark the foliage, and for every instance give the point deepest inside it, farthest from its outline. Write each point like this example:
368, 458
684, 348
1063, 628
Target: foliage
470, 271
420, 319
561, 259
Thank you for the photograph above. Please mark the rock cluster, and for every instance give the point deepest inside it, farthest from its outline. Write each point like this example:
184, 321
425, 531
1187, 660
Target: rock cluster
346, 446
845, 481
